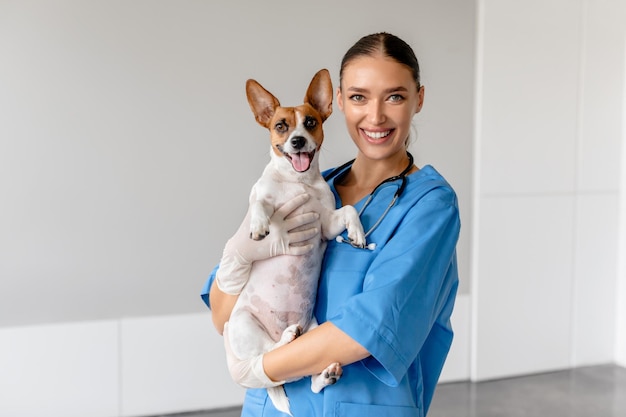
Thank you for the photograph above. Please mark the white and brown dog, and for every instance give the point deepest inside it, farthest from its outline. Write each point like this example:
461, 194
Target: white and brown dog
276, 304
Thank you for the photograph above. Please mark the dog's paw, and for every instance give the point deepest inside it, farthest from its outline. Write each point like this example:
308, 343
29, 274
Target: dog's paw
329, 376
356, 235
290, 334
259, 229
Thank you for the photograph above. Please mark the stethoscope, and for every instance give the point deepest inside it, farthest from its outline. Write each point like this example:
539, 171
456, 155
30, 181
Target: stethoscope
397, 194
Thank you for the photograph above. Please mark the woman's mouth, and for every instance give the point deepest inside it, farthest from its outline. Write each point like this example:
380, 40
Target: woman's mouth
376, 135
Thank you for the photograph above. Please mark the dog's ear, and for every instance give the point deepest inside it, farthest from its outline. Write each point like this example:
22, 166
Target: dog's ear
261, 101
320, 93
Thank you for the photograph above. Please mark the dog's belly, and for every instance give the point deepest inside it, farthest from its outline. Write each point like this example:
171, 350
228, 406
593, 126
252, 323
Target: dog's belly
281, 291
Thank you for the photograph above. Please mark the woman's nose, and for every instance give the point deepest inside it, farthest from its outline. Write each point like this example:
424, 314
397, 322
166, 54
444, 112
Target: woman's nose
376, 112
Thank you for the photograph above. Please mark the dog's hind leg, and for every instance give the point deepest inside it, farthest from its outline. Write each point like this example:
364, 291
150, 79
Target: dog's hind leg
247, 337
289, 335
329, 376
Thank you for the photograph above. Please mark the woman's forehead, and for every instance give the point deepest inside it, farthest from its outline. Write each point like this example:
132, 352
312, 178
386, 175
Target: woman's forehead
376, 71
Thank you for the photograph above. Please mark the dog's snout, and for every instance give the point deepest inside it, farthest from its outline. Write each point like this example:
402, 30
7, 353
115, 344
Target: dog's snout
298, 142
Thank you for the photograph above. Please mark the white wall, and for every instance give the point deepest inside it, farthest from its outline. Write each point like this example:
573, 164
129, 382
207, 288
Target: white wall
127, 150
549, 133
620, 294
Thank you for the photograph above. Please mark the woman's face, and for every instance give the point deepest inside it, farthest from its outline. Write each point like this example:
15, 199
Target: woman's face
378, 97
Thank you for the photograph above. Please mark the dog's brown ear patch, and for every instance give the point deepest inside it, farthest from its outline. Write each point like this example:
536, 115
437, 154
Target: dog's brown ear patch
262, 103
320, 94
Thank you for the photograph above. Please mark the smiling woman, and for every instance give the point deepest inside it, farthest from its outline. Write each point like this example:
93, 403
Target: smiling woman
379, 98
366, 300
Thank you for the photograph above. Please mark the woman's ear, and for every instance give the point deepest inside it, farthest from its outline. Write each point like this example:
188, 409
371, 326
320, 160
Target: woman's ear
420, 99
339, 99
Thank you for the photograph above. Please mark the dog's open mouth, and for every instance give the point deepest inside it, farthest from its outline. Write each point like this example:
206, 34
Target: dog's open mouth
301, 161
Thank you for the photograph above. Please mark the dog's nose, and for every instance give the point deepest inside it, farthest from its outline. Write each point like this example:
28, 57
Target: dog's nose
298, 142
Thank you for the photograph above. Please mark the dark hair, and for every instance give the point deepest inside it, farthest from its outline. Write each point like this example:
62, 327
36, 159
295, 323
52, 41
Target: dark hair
387, 45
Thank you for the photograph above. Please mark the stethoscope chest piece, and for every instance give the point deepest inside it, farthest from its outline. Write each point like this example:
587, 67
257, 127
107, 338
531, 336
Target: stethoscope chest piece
370, 246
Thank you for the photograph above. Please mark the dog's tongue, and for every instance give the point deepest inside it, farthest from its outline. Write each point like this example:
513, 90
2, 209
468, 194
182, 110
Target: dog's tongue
300, 161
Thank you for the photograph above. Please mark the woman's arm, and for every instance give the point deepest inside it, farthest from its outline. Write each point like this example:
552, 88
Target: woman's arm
221, 306
312, 352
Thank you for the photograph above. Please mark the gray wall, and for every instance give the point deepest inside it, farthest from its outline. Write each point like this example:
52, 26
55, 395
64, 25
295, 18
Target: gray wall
127, 148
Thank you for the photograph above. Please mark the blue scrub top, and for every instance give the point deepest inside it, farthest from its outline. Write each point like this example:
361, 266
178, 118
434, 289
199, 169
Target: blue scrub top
395, 301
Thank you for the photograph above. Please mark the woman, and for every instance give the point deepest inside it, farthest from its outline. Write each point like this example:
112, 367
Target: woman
384, 314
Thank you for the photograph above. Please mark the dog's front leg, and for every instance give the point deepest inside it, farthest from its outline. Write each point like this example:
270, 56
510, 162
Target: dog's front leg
260, 213
343, 218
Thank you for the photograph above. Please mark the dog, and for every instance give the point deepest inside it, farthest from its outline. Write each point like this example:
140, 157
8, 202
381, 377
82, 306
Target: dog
276, 304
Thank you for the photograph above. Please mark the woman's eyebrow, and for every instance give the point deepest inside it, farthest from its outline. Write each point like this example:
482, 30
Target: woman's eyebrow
358, 89
386, 91
396, 89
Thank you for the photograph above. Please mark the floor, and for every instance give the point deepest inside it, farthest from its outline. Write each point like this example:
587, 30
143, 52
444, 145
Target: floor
598, 391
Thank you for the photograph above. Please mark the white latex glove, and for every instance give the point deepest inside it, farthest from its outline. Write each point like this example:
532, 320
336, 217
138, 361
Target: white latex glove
248, 373
240, 250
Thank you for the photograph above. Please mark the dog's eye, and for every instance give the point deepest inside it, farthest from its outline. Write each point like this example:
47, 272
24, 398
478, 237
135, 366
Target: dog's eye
310, 123
281, 127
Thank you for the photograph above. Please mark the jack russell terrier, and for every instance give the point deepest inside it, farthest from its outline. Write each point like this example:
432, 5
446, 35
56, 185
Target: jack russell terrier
276, 304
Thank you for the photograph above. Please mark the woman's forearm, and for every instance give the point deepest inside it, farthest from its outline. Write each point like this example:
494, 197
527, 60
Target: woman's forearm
312, 352
221, 306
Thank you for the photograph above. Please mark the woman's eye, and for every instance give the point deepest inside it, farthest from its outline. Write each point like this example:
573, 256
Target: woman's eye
396, 98
357, 97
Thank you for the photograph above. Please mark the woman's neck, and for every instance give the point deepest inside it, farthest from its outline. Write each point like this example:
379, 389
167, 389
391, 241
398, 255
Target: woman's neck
365, 174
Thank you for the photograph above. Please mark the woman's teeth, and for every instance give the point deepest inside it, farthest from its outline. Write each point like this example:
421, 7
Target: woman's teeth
377, 135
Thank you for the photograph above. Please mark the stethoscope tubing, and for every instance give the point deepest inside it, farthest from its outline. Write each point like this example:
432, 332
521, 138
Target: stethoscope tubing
397, 194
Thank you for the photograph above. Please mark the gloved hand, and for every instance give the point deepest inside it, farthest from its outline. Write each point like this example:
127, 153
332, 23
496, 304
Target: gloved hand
240, 250
248, 373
